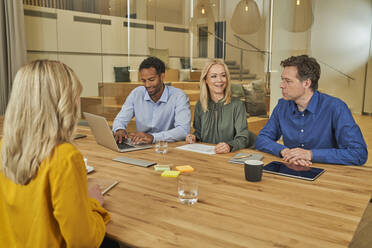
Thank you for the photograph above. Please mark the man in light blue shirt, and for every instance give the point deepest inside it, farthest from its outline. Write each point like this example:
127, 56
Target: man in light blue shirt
162, 112
315, 127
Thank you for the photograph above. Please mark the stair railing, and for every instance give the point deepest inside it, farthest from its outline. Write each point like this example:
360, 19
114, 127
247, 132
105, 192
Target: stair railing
251, 45
254, 50
321, 62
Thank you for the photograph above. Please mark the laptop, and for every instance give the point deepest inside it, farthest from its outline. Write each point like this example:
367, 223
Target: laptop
104, 136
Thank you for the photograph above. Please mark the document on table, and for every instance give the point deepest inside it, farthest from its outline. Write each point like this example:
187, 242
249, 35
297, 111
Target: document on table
200, 148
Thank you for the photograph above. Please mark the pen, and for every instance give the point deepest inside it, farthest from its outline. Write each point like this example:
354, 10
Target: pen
109, 187
243, 156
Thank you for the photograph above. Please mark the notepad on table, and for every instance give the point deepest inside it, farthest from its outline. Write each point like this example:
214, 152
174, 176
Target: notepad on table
241, 157
89, 169
170, 173
185, 168
200, 148
161, 167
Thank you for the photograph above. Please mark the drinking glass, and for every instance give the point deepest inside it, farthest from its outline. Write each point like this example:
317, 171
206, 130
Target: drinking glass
161, 147
187, 190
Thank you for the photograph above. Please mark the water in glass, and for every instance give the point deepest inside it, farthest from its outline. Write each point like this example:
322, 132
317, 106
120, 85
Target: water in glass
187, 191
161, 147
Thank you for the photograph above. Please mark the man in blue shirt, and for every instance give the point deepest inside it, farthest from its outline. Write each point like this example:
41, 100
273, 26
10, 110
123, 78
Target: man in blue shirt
162, 112
315, 127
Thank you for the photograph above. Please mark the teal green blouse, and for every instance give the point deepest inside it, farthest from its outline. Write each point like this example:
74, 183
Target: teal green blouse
222, 123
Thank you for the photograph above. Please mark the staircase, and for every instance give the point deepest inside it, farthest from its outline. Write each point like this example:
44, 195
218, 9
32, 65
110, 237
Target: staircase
235, 71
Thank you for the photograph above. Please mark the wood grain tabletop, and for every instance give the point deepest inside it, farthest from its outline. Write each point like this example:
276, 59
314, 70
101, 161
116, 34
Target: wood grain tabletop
231, 212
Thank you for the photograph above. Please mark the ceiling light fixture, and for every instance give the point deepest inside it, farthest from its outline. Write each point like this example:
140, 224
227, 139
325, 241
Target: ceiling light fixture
246, 18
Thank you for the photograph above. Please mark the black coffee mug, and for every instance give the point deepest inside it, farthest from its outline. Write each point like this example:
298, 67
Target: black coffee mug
253, 170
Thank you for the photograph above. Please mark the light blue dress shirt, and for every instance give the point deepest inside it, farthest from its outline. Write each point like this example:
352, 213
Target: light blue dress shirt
167, 119
326, 127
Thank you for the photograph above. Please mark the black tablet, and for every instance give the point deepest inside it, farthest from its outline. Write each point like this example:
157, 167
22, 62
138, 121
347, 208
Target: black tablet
301, 172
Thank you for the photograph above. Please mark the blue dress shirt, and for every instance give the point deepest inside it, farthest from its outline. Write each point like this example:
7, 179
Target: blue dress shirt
326, 127
167, 119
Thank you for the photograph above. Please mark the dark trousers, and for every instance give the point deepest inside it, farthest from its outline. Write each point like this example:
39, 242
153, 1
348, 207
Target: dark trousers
109, 243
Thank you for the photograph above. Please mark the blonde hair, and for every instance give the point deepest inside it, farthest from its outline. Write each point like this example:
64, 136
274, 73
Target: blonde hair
42, 113
204, 90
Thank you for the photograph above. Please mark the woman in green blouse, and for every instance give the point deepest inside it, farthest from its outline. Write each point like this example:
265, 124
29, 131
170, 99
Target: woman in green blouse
218, 118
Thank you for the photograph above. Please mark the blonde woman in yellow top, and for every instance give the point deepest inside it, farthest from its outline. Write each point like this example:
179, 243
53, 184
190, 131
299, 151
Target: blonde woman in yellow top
44, 198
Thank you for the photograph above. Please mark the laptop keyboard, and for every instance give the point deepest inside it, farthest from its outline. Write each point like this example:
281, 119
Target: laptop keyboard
124, 145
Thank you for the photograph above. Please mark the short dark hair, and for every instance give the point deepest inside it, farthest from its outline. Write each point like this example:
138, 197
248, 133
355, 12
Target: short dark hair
153, 62
307, 68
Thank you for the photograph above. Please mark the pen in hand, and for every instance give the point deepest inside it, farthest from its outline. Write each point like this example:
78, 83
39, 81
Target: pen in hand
109, 187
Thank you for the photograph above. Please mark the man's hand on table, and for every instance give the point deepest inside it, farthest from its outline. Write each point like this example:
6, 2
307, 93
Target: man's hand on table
297, 156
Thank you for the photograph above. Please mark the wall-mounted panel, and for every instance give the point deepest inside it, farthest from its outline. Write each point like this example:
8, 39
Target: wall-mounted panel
340, 40
174, 37
88, 68
79, 32
114, 36
368, 90
41, 28
36, 56
142, 36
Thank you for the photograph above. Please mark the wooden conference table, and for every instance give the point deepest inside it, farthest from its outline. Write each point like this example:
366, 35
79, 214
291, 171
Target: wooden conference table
231, 212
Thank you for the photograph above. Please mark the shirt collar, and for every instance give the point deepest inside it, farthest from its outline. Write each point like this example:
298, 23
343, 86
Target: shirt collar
313, 102
163, 98
312, 105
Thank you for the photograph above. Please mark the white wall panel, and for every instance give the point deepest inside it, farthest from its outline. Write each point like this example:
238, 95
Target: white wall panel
368, 96
88, 68
141, 39
41, 33
341, 38
176, 42
35, 56
114, 36
74, 36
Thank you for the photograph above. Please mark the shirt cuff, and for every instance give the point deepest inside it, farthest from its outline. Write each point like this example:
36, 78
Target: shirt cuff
157, 136
117, 128
277, 148
232, 147
319, 155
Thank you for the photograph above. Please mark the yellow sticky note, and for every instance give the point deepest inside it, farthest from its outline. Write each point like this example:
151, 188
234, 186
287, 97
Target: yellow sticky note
185, 168
170, 173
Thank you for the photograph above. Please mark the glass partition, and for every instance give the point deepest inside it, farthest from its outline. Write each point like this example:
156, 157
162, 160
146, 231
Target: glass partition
104, 41
338, 39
